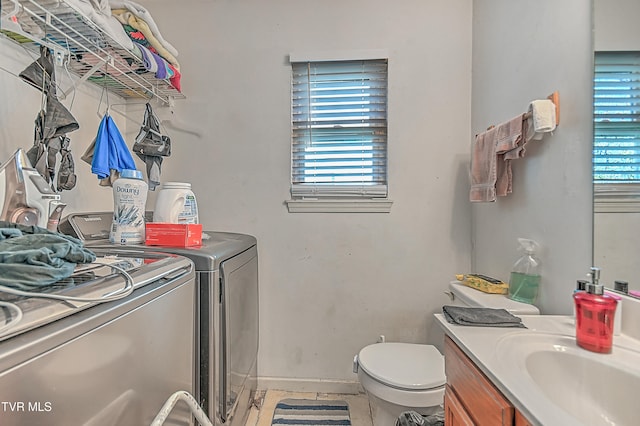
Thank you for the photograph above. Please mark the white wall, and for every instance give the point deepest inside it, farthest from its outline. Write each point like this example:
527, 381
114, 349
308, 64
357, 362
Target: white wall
616, 24
616, 247
330, 283
524, 51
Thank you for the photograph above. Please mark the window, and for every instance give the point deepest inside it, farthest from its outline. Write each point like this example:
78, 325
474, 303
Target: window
339, 130
616, 144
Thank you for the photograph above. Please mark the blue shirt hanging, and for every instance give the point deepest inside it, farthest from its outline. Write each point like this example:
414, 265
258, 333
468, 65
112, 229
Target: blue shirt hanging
110, 151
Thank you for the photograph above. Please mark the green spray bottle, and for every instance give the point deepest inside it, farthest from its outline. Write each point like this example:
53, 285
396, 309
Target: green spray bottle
525, 274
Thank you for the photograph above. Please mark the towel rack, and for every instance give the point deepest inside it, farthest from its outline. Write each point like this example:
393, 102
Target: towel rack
554, 97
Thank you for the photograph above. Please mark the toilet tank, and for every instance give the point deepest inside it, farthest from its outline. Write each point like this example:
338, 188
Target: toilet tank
462, 295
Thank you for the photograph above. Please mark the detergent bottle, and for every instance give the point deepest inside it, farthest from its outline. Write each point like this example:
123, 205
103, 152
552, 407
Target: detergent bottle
176, 203
129, 199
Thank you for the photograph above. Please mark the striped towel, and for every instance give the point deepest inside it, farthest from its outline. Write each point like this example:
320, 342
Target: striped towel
310, 412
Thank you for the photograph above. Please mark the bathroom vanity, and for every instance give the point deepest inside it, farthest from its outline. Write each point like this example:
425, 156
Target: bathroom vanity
537, 376
470, 398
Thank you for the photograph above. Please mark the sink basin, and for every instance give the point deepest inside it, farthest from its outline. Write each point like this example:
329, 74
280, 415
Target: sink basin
579, 386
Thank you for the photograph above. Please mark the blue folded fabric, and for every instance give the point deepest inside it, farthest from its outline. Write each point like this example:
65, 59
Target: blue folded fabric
32, 257
110, 151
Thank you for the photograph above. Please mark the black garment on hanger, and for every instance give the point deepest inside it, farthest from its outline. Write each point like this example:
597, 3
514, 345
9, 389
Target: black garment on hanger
151, 146
52, 124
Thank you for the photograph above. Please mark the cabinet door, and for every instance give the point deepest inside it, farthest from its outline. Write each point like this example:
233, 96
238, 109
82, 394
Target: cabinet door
521, 420
454, 412
480, 398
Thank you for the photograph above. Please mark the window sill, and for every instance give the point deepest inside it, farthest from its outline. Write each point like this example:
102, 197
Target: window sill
616, 206
339, 206
616, 198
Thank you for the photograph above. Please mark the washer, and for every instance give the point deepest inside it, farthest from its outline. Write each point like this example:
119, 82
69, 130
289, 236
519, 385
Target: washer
101, 363
227, 312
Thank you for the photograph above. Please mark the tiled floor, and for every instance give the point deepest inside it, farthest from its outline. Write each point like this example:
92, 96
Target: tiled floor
358, 406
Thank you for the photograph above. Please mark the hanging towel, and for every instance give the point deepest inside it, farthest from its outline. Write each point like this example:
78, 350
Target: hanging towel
493, 151
32, 257
108, 152
510, 146
481, 317
483, 167
543, 118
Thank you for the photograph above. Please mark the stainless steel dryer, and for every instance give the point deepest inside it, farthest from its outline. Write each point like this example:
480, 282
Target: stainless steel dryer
100, 363
227, 318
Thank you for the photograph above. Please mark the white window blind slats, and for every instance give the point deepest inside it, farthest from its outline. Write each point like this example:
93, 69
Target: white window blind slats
616, 149
339, 122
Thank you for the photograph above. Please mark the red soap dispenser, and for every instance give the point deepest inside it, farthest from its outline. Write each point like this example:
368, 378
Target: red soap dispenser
594, 316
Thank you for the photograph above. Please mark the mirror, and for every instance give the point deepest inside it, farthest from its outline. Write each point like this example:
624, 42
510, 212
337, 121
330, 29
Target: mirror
616, 244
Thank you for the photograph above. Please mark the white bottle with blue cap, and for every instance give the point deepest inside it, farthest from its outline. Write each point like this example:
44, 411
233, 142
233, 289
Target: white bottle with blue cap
129, 201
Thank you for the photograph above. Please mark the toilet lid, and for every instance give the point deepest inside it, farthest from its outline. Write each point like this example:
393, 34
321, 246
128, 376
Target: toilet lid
403, 365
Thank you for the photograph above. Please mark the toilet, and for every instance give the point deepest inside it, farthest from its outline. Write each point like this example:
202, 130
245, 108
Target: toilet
399, 377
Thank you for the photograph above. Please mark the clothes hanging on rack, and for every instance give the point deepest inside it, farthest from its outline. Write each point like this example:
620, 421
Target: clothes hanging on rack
108, 153
151, 146
491, 158
494, 149
52, 124
66, 176
41, 72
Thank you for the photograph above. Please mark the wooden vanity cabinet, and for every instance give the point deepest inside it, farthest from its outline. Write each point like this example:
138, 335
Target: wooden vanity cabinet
470, 398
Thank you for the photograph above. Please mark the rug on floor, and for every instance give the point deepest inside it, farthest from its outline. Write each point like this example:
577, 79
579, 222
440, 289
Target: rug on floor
311, 412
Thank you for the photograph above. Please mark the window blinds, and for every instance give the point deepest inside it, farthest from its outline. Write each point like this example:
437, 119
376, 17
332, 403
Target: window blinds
616, 147
339, 129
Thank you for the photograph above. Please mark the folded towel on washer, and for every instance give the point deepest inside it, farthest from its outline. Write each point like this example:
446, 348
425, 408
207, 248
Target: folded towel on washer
481, 317
32, 257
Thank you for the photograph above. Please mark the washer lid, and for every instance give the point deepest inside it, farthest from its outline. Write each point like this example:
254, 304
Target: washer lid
403, 365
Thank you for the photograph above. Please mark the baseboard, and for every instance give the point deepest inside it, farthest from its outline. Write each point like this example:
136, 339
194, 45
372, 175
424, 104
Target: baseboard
309, 385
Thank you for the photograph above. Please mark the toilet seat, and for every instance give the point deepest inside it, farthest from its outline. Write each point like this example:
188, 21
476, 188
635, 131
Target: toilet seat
405, 366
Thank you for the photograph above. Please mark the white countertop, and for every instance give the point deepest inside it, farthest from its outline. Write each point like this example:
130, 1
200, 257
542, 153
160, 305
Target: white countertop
481, 346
